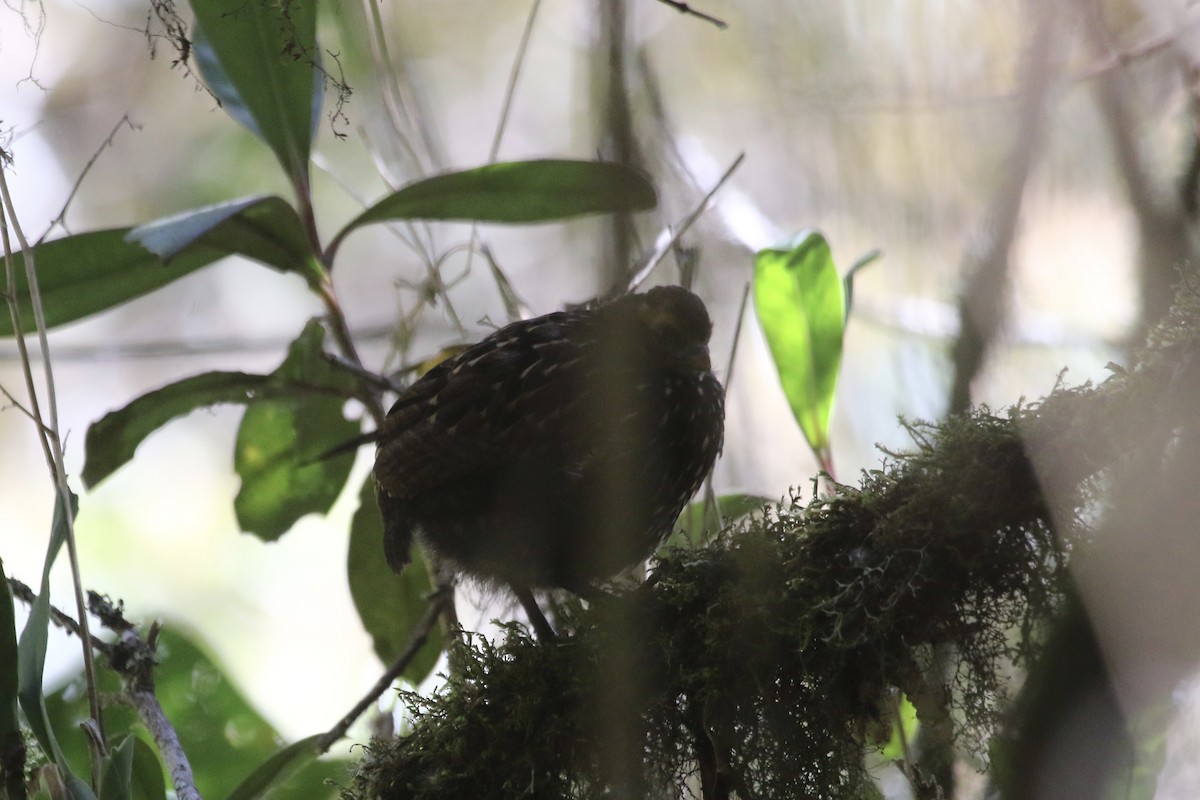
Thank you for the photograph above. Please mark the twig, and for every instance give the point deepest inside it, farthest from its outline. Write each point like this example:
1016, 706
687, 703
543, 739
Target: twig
415, 641
48, 433
26, 595
60, 219
670, 236
151, 714
684, 8
513, 75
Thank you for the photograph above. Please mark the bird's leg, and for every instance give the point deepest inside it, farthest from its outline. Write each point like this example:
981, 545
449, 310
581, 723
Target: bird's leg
537, 619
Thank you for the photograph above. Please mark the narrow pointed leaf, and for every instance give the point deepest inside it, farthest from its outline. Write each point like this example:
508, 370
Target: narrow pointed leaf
516, 192
280, 441
279, 766
11, 741
31, 650
116, 775
90, 272
388, 604
261, 61
800, 302
264, 228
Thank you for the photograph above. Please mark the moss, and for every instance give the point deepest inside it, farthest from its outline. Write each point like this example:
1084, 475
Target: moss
764, 662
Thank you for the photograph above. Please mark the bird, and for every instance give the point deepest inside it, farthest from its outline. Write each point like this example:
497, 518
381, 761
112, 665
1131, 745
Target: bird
557, 451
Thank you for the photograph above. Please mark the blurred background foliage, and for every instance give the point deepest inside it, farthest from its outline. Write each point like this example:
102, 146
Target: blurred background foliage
1038, 154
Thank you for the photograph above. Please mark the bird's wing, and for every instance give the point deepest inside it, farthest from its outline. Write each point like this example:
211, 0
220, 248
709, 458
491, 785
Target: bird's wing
487, 407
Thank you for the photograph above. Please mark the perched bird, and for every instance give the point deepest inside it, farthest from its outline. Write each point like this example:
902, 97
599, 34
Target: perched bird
558, 450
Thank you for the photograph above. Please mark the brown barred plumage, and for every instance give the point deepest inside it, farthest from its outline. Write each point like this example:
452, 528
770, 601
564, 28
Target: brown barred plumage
557, 450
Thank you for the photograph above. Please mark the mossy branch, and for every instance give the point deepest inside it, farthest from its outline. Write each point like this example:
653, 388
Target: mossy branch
766, 663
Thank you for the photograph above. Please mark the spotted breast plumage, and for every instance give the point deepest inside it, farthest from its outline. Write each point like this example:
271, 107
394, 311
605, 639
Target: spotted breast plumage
558, 450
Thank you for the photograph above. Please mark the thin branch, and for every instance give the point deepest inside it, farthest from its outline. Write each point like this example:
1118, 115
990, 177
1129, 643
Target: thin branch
150, 712
684, 8
48, 432
26, 595
60, 219
513, 76
669, 236
416, 641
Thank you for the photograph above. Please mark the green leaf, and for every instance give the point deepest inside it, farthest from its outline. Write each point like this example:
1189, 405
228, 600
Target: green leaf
696, 526
800, 302
264, 228
116, 774
90, 272
388, 604
279, 442
515, 192
31, 650
11, 740
224, 737
146, 779
904, 729
112, 440
261, 61
284, 762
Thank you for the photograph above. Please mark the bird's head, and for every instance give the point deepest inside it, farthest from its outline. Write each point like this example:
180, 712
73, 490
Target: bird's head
677, 327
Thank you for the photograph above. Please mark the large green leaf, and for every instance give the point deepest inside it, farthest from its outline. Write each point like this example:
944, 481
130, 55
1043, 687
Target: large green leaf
112, 440
388, 604
89, 272
264, 227
225, 739
280, 442
515, 192
801, 306
260, 59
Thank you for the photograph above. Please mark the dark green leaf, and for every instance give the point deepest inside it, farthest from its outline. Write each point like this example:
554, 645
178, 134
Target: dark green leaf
224, 737
799, 298
116, 774
270, 772
112, 440
10, 728
147, 777
80, 275
264, 228
261, 61
388, 604
31, 651
515, 192
275, 456
279, 442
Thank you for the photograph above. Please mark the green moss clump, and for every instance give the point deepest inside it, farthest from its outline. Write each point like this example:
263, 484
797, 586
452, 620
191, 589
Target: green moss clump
764, 663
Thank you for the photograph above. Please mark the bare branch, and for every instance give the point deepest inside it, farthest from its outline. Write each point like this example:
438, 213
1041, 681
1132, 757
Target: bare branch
684, 8
415, 641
